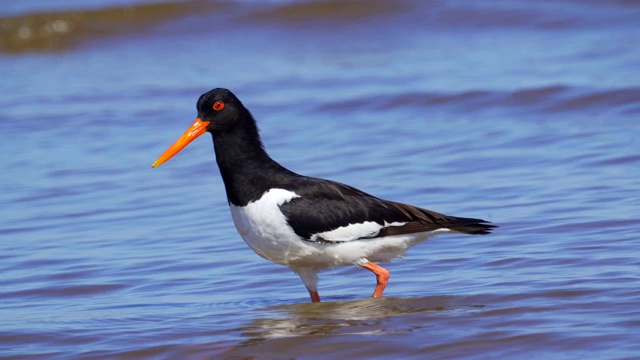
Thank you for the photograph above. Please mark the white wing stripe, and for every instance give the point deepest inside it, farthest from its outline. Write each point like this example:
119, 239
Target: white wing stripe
350, 232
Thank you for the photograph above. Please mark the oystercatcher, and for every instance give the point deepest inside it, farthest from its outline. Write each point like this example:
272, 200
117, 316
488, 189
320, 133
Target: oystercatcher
307, 223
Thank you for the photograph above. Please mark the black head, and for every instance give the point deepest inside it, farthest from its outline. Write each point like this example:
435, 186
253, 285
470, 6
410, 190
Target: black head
219, 112
222, 110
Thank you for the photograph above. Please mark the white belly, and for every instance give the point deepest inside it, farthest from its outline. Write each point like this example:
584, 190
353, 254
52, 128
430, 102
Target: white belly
264, 228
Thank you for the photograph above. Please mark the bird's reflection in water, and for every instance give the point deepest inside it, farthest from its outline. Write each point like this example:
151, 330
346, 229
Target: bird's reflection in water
363, 316
344, 329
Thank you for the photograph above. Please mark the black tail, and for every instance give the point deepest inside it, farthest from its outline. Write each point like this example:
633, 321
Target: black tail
470, 226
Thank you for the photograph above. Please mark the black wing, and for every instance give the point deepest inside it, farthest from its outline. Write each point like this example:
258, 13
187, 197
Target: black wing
326, 205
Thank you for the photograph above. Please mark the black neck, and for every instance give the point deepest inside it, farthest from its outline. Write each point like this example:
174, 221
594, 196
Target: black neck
246, 168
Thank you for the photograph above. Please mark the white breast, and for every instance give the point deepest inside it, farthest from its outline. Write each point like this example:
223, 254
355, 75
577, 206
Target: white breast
265, 229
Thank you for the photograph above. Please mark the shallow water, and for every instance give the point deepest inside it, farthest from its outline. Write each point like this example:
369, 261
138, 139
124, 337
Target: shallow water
524, 114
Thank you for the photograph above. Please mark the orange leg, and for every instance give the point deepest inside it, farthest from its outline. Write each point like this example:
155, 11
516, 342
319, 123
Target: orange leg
309, 277
315, 297
382, 277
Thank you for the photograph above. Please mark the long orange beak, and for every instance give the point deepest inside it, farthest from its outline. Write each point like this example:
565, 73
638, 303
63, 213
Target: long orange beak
196, 129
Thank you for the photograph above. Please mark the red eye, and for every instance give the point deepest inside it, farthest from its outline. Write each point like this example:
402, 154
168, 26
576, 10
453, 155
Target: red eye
218, 105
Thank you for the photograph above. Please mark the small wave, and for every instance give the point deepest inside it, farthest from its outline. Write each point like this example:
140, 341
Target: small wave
552, 99
64, 291
49, 30
64, 29
448, 15
335, 10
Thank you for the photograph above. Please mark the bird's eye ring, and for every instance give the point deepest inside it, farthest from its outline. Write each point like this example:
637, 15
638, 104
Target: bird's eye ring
218, 105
